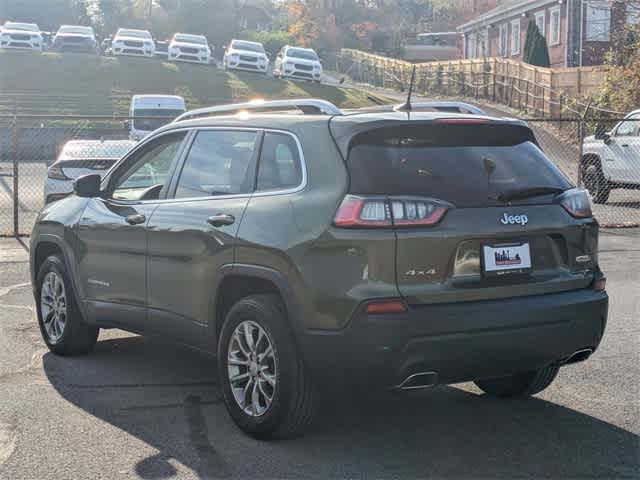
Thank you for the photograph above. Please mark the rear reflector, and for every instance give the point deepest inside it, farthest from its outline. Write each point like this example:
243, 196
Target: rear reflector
387, 306
375, 212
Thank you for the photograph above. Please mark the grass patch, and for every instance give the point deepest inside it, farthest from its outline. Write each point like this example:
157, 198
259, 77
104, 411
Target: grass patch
77, 84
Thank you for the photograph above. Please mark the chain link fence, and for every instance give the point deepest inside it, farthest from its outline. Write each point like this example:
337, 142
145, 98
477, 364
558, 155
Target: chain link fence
29, 145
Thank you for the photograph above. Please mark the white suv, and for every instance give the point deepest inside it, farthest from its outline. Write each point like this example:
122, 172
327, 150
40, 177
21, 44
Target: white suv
24, 36
75, 38
295, 62
612, 159
244, 55
133, 42
189, 48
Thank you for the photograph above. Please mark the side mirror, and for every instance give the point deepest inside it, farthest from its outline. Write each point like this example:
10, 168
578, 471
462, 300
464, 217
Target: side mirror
601, 133
87, 186
126, 124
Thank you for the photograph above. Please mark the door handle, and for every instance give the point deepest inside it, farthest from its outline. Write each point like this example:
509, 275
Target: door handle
625, 144
221, 219
135, 219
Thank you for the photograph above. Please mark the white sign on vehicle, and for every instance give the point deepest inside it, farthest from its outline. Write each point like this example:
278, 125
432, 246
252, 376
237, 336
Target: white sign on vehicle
507, 257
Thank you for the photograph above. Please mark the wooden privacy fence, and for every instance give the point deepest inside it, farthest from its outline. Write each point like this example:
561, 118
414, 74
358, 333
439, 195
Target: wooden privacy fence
541, 92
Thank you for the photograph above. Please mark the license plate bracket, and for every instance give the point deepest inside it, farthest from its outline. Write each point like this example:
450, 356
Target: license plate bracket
506, 258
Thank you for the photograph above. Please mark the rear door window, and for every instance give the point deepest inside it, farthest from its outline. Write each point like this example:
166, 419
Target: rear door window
280, 166
466, 165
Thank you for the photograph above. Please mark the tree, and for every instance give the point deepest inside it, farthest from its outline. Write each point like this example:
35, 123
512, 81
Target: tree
48, 14
536, 51
621, 90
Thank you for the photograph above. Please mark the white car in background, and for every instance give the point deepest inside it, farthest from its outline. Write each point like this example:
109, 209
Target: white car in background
245, 55
78, 158
611, 159
150, 112
296, 62
185, 47
138, 43
75, 38
25, 36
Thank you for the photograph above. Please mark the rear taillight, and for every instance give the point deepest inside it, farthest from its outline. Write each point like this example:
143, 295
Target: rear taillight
376, 212
577, 203
55, 172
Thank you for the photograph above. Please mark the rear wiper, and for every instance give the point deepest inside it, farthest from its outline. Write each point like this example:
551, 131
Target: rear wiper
521, 193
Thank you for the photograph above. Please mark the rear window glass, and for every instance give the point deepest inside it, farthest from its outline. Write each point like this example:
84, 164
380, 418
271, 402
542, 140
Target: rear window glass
466, 165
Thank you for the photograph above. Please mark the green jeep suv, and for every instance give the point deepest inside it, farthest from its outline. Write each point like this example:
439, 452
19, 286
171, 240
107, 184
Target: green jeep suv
405, 249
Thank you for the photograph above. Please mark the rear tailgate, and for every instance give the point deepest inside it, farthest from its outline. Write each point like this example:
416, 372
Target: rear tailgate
457, 238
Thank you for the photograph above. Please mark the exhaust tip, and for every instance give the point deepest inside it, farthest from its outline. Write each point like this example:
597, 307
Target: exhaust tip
578, 356
418, 381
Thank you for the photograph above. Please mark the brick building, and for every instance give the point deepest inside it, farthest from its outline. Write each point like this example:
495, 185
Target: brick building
578, 32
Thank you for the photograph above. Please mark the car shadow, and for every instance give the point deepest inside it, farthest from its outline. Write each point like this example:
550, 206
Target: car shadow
167, 397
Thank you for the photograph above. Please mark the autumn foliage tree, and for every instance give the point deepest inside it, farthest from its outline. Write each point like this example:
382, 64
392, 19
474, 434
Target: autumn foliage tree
621, 89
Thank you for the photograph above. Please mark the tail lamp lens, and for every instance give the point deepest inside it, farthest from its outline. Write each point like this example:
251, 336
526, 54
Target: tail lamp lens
371, 212
55, 172
577, 203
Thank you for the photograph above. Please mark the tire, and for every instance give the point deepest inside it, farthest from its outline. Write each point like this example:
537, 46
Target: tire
594, 181
62, 327
293, 397
519, 385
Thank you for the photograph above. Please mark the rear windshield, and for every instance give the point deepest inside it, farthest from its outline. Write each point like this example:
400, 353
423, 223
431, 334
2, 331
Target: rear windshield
466, 165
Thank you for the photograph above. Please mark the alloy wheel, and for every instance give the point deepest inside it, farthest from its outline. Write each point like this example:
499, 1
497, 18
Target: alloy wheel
252, 368
53, 306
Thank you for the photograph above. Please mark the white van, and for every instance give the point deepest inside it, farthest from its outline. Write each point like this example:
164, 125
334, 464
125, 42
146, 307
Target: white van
150, 112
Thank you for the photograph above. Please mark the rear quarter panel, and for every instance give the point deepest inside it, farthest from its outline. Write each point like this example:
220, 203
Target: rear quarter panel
329, 271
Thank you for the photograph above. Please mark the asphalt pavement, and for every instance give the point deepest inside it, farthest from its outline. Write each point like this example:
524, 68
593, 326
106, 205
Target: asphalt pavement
140, 408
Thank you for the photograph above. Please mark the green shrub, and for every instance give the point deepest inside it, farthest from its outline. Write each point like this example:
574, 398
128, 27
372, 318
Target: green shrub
272, 41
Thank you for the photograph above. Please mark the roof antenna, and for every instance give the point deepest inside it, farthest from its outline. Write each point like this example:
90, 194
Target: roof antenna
406, 107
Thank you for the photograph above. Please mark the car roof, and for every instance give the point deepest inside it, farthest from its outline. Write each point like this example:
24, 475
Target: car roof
246, 41
85, 27
80, 149
137, 30
301, 48
158, 96
10, 24
194, 35
343, 127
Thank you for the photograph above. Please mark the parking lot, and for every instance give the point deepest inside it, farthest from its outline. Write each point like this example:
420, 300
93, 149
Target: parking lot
137, 408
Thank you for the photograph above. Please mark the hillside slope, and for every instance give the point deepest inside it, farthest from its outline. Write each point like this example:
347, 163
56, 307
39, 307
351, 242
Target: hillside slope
51, 83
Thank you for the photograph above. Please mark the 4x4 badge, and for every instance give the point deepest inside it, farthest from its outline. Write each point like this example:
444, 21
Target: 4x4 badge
513, 219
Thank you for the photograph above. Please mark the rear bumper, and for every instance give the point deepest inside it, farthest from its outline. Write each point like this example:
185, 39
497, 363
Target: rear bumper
460, 342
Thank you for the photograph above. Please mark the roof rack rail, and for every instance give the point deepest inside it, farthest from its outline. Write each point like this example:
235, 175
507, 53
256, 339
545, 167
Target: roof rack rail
447, 106
307, 106
438, 106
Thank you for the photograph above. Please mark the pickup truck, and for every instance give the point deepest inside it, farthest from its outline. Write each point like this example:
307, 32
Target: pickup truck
611, 159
